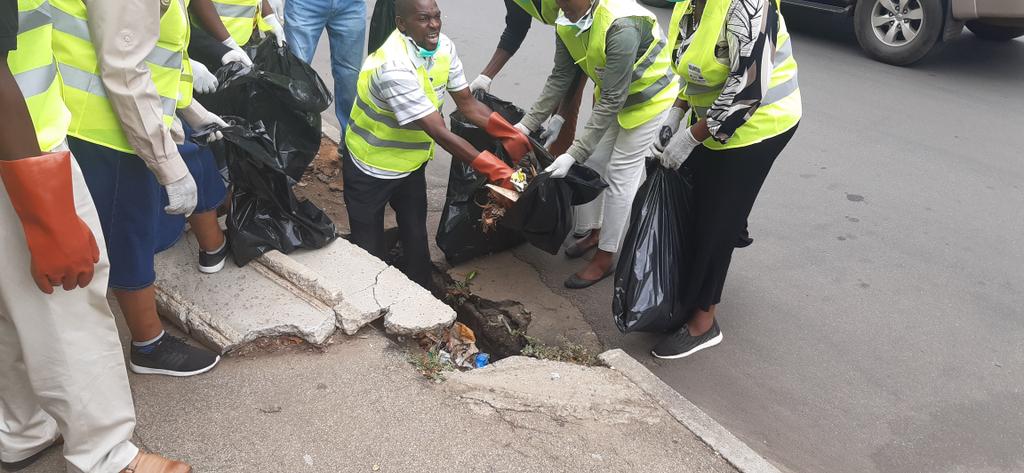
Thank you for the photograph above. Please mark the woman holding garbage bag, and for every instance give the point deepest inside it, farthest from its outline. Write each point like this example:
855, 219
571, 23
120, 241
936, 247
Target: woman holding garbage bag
620, 47
739, 107
393, 127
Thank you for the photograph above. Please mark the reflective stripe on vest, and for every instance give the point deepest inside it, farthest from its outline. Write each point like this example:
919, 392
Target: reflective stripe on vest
93, 117
653, 85
239, 17
35, 71
374, 136
547, 13
704, 76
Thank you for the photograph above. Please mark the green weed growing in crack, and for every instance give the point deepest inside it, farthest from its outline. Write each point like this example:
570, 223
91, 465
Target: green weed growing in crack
566, 351
431, 365
460, 291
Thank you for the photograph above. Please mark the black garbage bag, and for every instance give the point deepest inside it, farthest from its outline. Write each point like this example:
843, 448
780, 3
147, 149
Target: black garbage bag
459, 234
382, 24
543, 213
655, 254
265, 214
289, 107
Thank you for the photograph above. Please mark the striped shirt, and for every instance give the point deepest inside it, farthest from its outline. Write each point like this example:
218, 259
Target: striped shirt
395, 87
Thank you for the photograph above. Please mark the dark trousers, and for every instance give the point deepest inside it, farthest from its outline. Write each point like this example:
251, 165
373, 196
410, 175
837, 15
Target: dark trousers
725, 186
365, 198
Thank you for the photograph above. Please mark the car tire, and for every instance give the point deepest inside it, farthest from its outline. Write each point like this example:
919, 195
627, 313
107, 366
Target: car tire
902, 40
658, 3
990, 32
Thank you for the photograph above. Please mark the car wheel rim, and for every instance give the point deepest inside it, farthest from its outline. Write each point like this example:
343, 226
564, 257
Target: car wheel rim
897, 23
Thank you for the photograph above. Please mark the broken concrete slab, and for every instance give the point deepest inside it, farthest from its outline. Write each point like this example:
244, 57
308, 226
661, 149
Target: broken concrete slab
236, 305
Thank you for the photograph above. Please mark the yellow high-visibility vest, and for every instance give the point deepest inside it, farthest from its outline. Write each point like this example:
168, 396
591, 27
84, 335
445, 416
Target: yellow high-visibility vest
703, 76
373, 135
92, 117
241, 17
35, 71
547, 13
653, 88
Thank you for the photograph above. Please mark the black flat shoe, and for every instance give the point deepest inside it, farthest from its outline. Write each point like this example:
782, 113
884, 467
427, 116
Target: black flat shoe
576, 282
575, 250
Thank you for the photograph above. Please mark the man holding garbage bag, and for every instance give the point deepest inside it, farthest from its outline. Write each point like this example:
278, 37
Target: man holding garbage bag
394, 124
619, 45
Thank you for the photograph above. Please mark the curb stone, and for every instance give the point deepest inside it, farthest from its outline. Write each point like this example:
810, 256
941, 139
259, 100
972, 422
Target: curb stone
732, 449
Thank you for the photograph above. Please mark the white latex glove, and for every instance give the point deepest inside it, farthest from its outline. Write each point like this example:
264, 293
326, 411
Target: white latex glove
236, 54
522, 128
275, 28
551, 128
278, 7
668, 129
678, 149
199, 118
560, 167
481, 82
202, 80
182, 196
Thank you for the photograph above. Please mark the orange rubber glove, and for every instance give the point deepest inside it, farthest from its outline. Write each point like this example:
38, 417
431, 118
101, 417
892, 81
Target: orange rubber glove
62, 246
514, 141
496, 170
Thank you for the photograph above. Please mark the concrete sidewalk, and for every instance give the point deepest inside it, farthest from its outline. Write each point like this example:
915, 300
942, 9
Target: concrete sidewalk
360, 406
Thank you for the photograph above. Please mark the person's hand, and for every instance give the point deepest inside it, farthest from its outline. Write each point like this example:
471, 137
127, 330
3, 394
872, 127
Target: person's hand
201, 119
203, 81
481, 82
182, 196
236, 54
512, 139
678, 149
668, 129
561, 166
550, 130
275, 28
496, 171
62, 246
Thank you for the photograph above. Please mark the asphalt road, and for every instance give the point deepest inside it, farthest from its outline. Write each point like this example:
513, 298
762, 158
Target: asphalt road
875, 324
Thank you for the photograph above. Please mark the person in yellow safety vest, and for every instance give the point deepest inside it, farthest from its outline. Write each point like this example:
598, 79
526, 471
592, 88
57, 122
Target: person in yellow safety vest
394, 124
121, 65
738, 108
235, 22
559, 130
48, 242
621, 48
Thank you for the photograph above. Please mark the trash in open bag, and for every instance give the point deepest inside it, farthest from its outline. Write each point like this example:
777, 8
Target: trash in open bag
265, 214
655, 255
460, 234
289, 107
543, 213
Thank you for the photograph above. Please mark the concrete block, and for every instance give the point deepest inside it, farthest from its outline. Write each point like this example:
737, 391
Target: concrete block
236, 305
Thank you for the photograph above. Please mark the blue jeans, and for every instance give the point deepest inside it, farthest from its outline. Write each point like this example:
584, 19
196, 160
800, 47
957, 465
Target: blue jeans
345, 21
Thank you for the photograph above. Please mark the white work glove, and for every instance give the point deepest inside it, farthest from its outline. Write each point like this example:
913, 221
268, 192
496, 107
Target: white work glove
236, 54
678, 149
550, 129
275, 28
182, 196
278, 7
203, 81
668, 129
560, 167
199, 118
481, 82
522, 128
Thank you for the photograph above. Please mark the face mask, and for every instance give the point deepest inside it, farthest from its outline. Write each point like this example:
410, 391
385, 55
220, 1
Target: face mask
421, 52
583, 24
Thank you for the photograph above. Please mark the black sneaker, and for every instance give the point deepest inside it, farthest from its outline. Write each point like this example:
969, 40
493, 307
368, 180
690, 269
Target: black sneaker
210, 263
173, 357
682, 344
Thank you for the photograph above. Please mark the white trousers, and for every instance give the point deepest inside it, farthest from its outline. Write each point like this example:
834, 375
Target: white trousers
619, 159
62, 370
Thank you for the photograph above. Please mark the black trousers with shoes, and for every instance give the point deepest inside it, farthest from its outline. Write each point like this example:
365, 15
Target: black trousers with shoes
365, 198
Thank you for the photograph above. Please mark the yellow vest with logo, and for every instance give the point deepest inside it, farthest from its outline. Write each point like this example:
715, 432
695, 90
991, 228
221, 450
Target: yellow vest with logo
92, 117
374, 135
704, 76
240, 18
653, 88
35, 71
547, 13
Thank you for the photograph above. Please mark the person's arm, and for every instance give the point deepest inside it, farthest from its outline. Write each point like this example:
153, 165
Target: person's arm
17, 135
206, 49
206, 13
751, 38
459, 148
123, 34
622, 44
555, 89
517, 25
